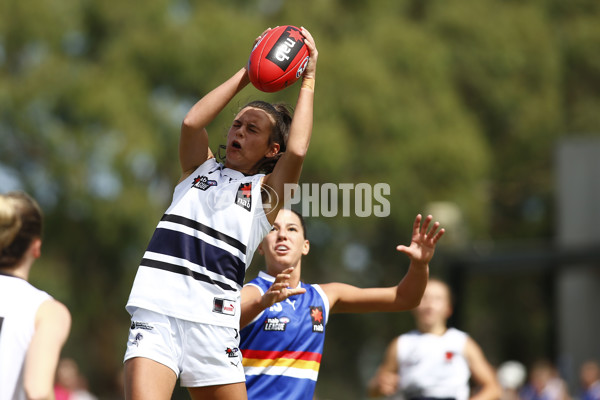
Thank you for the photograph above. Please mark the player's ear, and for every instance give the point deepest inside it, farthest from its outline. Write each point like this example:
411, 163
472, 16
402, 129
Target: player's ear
273, 150
260, 249
36, 247
305, 247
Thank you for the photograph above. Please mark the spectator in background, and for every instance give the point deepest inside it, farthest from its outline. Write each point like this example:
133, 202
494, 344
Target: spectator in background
512, 376
70, 383
544, 383
589, 376
33, 326
434, 361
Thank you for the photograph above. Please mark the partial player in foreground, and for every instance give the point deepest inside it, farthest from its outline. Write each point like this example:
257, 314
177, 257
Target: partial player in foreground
185, 300
286, 319
33, 326
434, 361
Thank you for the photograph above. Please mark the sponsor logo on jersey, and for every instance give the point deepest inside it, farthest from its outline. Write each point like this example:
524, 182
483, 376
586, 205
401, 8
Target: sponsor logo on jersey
316, 317
243, 197
203, 183
449, 356
224, 306
276, 324
286, 48
141, 325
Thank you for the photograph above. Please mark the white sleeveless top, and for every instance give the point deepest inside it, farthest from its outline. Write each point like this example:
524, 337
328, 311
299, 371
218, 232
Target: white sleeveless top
433, 366
195, 264
19, 303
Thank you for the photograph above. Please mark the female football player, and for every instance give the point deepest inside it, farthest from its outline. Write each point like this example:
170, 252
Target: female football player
185, 300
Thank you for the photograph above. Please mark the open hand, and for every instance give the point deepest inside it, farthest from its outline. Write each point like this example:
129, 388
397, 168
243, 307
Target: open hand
423, 241
279, 290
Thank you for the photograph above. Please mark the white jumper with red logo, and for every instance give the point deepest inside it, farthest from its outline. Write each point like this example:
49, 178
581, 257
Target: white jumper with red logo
196, 261
432, 366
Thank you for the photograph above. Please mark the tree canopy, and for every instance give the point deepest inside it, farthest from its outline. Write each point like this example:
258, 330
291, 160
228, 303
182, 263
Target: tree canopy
459, 103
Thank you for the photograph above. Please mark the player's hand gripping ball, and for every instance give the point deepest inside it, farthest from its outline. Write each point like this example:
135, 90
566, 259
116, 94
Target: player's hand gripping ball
278, 59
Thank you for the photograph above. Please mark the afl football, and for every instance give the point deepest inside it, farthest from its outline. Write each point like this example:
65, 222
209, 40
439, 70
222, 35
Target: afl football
278, 59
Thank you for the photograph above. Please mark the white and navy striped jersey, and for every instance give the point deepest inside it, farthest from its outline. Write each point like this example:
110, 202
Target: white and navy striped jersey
195, 263
432, 366
19, 303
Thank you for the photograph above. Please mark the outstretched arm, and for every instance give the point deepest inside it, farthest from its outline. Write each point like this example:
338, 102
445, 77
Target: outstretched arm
288, 168
253, 303
404, 296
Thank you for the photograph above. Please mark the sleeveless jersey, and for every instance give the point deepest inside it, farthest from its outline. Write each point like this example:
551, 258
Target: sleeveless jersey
196, 261
433, 366
282, 347
19, 303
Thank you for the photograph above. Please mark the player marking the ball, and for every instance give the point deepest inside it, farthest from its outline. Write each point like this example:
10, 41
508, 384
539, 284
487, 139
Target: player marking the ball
185, 300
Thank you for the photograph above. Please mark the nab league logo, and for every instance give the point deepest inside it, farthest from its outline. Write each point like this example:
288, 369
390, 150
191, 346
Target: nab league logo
276, 324
316, 317
202, 182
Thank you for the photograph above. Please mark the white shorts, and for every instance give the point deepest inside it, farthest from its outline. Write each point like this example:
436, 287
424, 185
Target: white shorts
199, 354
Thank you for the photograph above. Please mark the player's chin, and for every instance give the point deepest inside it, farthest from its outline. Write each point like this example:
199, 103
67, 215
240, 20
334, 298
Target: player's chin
232, 152
285, 260
236, 161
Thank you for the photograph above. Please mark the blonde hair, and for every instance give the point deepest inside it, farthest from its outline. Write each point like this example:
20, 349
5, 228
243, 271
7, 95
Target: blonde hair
20, 223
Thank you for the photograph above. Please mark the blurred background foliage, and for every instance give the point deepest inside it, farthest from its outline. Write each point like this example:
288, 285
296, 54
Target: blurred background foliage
456, 105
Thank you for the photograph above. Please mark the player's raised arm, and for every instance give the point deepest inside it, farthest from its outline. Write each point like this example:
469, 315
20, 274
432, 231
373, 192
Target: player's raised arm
288, 168
408, 292
193, 143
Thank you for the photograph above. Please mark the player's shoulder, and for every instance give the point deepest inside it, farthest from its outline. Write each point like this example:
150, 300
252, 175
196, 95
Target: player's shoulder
54, 309
456, 333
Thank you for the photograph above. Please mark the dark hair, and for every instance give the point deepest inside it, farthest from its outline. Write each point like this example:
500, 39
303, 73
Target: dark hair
282, 115
302, 222
20, 223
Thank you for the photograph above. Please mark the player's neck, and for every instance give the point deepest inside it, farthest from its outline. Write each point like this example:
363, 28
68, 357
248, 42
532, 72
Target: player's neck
20, 271
434, 329
295, 277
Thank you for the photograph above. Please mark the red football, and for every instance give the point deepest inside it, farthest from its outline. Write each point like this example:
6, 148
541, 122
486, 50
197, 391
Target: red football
278, 59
